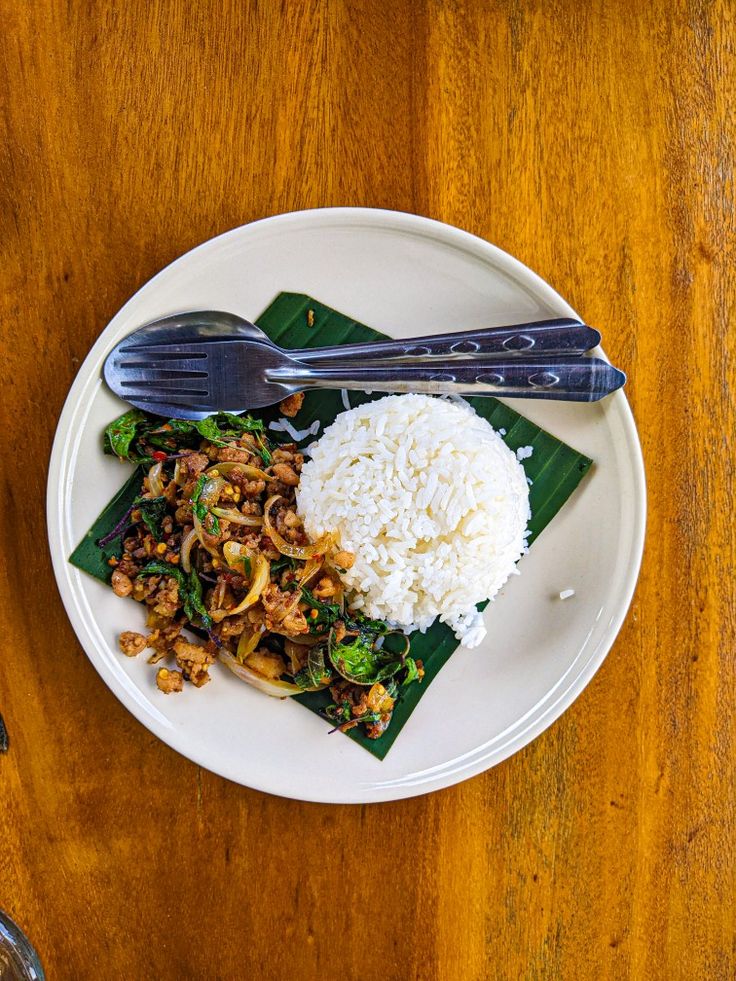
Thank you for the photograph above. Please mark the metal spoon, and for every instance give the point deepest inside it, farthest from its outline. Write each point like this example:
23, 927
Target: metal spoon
542, 337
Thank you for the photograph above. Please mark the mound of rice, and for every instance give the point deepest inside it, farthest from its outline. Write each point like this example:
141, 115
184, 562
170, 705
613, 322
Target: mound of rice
431, 501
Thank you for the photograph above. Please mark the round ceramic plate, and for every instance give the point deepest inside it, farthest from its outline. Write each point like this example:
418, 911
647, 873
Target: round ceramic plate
406, 276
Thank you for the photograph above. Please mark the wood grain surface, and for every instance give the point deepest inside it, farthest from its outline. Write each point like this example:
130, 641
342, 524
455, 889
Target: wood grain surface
595, 141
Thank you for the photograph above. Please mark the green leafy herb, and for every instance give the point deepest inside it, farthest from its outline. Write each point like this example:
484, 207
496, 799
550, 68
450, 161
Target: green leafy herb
193, 603
327, 613
216, 427
239, 424
157, 567
360, 623
190, 589
412, 671
120, 434
339, 713
208, 429
263, 450
316, 672
360, 662
392, 689
200, 508
153, 511
133, 435
284, 562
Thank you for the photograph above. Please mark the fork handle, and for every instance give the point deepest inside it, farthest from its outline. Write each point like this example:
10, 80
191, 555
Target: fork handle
542, 337
571, 379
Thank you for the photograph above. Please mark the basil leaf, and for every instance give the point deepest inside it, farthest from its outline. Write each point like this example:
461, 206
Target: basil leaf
159, 568
263, 450
222, 424
153, 511
315, 673
208, 429
190, 589
412, 671
200, 508
284, 562
121, 433
359, 622
327, 613
193, 603
360, 663
241, 424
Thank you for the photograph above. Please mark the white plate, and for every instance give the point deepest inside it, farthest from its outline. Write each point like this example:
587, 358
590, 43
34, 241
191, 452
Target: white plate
405, 275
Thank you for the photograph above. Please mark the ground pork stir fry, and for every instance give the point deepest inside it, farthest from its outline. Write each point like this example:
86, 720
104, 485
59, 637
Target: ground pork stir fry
213, 545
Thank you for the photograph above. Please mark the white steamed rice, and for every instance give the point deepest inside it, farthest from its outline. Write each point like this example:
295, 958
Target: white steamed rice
432, 502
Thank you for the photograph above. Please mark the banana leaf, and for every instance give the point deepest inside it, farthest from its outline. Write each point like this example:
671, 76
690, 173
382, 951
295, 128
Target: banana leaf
88, 555
295, 320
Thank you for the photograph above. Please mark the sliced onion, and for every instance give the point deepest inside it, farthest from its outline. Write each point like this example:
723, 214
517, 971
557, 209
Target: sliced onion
185, 551
201, 533
310, 570
252, 473
211, 491
248, 642
292, 651
286, 548
235, 552
230, 514
155, 484
295, 652
278, 689
179, 477
304, 640
261, 576
209, 495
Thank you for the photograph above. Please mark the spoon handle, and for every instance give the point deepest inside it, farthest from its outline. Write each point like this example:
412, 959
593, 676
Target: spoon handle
571, 379
542, 337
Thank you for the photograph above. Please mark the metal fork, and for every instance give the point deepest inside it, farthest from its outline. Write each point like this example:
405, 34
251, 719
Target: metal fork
193, 379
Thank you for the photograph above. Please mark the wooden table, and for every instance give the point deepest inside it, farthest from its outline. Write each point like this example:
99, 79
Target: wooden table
596, 143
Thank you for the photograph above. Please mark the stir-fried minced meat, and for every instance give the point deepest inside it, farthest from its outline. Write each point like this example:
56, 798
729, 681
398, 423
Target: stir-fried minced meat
132, 643
282, 611
291, 405
286, 473
233, 626
343, 560
169, 681
127, 566
166, 598
289, 525
164, 632
231, 454
211, 493
253, 488
191, 464
266, 663
288, 454
121, 583
374, 706
325, 588
184, 514
194, 661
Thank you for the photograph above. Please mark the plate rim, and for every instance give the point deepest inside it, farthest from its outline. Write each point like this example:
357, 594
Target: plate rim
383, 791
